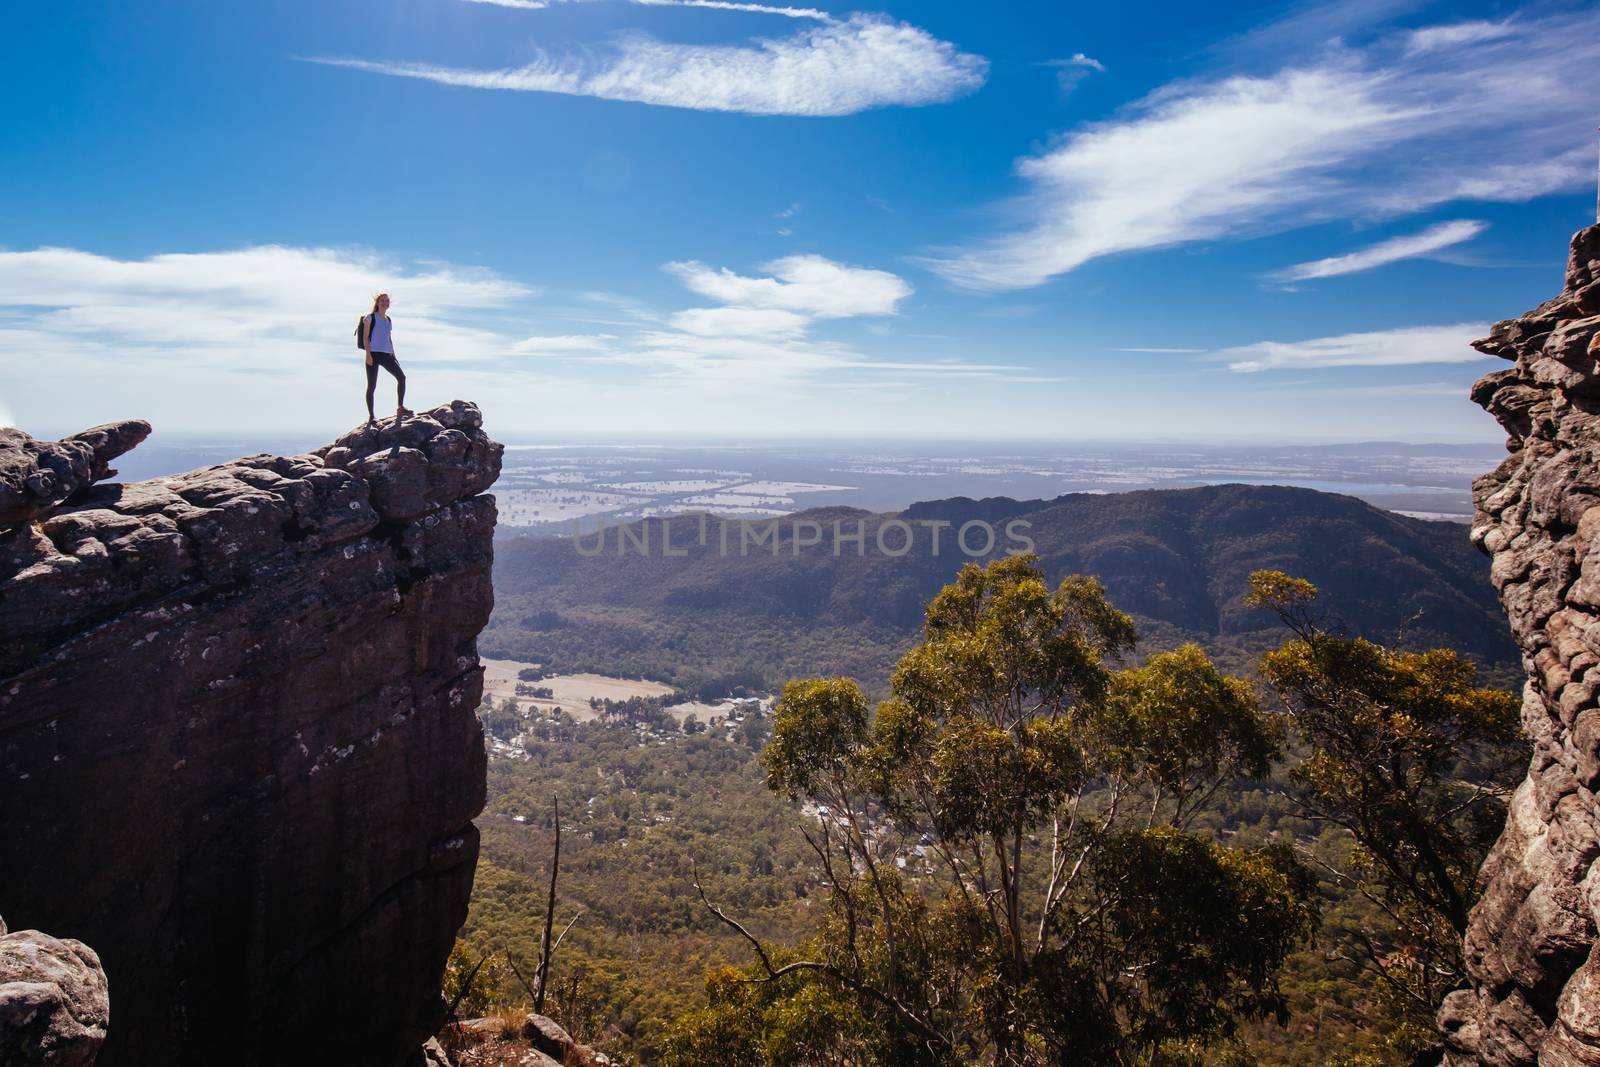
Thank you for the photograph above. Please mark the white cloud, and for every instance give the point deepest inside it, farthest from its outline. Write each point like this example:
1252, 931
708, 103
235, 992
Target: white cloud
1382, 348
1315, 23
565, 343
809, 284
252, 336
715, 5
756, 9
1070, 71
262, 337
1410, 246
836, 68
1353, 133
1446, 390
759, 331
766, 364
1163, 178
739, 322
225, 307
1433, 38
759, 335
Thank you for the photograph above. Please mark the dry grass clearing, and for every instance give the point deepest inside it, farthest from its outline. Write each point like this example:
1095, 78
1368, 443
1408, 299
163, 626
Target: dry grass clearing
571, 692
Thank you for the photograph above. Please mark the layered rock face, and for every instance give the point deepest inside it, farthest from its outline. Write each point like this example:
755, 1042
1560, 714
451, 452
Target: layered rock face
1531, 946
239, 755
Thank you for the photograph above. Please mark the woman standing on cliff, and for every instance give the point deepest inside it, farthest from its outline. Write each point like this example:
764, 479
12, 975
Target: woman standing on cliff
377, 340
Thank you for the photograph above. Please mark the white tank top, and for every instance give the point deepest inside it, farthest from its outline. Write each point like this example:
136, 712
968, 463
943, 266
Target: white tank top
381, 339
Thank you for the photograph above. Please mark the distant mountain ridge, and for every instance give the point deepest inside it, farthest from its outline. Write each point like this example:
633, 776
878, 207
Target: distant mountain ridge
1176, 559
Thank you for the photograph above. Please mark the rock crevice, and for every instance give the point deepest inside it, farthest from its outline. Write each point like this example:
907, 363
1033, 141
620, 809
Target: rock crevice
239, 755
1531, 945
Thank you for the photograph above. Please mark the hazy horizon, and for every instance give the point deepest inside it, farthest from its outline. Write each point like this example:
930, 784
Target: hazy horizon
544, 488
305, 439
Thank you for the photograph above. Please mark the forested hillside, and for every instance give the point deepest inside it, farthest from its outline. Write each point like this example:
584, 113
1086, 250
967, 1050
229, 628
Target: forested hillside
1176, 560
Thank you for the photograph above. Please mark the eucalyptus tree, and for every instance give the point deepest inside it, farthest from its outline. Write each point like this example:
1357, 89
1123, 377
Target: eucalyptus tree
1006, 847
1406, 753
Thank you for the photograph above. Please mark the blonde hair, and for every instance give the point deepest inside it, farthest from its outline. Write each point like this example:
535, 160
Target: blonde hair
375, 298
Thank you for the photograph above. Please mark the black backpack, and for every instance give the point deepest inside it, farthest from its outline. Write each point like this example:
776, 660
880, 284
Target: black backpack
361, 324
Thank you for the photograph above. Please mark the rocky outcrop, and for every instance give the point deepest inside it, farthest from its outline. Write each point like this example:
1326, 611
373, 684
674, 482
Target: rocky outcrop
1531, 947
238, 748
53, 1004
509, 1041
37, 475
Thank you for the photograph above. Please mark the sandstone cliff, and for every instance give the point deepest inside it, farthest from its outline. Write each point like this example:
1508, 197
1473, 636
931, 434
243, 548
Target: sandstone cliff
238, 750
1531, 948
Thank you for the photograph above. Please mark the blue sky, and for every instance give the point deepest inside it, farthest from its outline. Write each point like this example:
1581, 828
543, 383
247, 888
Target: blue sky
618, 218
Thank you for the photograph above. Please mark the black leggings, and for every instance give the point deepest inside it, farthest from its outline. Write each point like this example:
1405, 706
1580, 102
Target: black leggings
387, 361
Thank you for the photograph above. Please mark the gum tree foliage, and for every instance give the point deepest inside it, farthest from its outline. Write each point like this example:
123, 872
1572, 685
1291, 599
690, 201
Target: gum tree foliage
1409, 756
1003, 843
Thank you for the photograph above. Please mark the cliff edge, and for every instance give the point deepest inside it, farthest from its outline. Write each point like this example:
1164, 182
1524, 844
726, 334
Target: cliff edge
1531, 951
239, 755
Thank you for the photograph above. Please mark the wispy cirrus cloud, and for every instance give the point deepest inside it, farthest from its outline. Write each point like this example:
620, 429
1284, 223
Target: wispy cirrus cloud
520, 5
1455, 34
1313, 23
714, 5
1410, 246
754, 9
839, 67
1378, 348
1372, 132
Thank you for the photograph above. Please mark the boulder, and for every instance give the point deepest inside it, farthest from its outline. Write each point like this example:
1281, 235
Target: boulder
531, 1041
54, 1008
